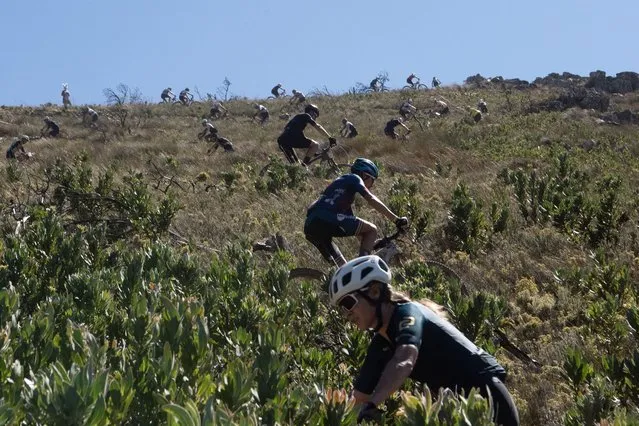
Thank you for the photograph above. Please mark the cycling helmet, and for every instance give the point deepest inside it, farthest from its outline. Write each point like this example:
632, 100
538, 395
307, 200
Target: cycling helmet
24, 138
186, 90
169, 89
205, 121
47, 119
344, 121
310, 108
356, 275
294, 91
364, 165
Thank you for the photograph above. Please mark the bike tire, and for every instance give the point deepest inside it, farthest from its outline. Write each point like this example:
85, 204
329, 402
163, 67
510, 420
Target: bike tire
306, 273
422, 86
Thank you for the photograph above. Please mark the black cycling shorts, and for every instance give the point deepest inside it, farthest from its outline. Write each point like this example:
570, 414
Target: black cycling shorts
294, 141
390, 131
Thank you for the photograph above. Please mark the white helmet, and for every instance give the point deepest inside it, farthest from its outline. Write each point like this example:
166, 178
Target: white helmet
205, 121
356, 275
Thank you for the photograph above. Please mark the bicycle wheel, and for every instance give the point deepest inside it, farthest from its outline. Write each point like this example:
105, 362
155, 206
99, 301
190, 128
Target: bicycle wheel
422, 86
306, 273
406, 88
337, 169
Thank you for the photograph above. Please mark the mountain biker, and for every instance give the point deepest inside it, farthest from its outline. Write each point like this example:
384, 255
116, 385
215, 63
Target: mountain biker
375, 84
475, 114
412, 80
89, 115
348, 129
209, 133
331, 214
51, 126
16, 149
442, 107
389, 130
412, 339
436, 83
167, 95
262, 113
406, 109
278, 91
186, 97
298, 97
217, 109
482, 106
219, 141
66, 96
293, 135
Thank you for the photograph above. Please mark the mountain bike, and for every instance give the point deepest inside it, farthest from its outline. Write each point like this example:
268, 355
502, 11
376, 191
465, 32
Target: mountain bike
282, 95
416, 86
325, 157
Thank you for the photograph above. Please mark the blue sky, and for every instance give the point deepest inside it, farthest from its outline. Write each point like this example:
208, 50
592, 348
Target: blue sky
151, 44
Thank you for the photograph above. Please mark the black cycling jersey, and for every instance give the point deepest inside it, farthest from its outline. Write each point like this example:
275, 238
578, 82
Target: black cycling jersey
15, 146
393, 123
298, 123
446, 357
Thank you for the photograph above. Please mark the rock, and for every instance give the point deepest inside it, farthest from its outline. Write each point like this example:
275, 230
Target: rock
545, 141
589, 145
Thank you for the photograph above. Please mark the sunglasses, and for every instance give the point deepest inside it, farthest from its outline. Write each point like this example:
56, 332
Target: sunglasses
348, 302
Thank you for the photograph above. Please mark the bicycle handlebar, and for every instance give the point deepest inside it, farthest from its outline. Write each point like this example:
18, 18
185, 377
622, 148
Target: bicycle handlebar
386, 240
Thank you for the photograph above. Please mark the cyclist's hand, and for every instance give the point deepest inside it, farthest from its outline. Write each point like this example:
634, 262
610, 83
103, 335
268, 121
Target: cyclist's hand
369, 413
401, 223
332, 141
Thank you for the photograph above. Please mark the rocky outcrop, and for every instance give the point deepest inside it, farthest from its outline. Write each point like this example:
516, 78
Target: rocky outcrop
478, 80
623, 82
621, 117
575, 97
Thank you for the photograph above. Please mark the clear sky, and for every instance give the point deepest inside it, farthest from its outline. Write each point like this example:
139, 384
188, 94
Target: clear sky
151, 44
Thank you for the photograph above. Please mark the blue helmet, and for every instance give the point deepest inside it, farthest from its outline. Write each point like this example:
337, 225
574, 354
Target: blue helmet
364, 165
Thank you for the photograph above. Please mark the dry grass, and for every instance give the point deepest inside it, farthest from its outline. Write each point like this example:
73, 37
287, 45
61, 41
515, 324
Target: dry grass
475, 154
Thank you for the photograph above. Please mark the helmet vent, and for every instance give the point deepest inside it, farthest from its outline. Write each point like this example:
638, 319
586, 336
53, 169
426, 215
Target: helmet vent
346, 278
366, 271
383, 265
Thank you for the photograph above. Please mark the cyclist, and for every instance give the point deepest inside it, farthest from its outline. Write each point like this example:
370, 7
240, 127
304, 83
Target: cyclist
209, 133
482, 106
297, 98
375, 84
89, 116
412, 339
331, 214
167, 96
16, 149
262, 113
442, 107
436, 83
293, 135
412, 80
389, 130
278, 90
186, 97
66, 96
51, 126
217, 109
475, 114
219, 141
407, 109
348, 129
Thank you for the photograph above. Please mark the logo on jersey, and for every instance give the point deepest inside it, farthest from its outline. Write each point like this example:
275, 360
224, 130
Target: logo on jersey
406, 322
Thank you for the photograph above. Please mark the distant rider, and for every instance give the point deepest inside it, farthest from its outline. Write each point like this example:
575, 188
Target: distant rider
50, 126
89, 116
167, 96
217, 109
331, 215
407, 109
66, 96
389, 130
186, 97
375, 84
16, 149
297, 98
278, 91
482, 106
261, 114
412, 80
436, 83
348, 129
293, 135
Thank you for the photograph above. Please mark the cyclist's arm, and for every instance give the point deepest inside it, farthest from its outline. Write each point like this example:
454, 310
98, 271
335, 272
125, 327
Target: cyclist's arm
320, 128
404, 126
377, 204
395, 373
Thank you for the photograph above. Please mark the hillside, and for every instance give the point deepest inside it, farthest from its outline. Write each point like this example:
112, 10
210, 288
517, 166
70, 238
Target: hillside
134, 268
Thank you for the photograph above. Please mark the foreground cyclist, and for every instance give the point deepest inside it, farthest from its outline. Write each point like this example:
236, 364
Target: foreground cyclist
293, 135
412, 339
331, 215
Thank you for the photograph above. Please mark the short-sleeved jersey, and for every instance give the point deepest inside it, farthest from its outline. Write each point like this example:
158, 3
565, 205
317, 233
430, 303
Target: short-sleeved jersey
184, 93
17, 145
92, 112
210, 129
165, 92
446, 357
262, 108
350, 126
338, 197
298, 123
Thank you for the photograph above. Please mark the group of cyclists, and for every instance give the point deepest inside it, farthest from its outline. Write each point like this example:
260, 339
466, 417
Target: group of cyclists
411, 339
185, 97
